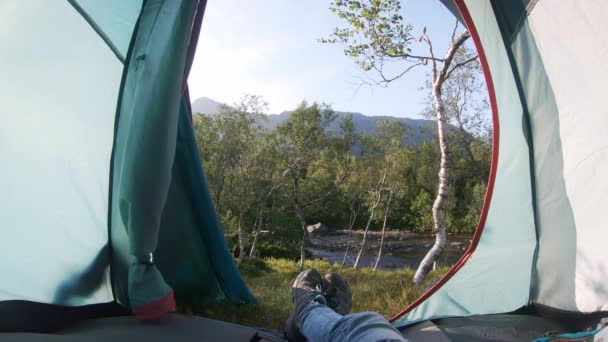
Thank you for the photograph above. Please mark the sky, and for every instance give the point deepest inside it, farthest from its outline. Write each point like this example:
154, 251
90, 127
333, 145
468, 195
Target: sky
271, 48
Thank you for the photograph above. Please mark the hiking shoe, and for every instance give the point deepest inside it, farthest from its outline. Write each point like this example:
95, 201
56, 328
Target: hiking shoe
307, 288
337, 293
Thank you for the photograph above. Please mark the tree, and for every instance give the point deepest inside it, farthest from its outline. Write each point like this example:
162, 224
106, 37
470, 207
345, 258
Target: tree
307, 155
387, 207
353, 193
230, 145
248, 113
466, 106
270, 178
374, 197
376, 36
389, 138
381, 152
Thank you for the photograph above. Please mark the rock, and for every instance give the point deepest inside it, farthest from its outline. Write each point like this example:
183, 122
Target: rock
318, 229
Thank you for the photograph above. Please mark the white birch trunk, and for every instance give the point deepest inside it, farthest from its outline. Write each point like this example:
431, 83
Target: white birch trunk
442, 193
386, 209
241, 231
257, 232
300, 215
377, 196
442, 126
354, 214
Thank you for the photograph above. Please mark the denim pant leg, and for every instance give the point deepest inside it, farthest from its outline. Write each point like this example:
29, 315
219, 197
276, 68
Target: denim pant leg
318, 323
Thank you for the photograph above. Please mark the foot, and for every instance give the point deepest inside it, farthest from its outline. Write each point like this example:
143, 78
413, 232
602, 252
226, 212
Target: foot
307, 288
337, 293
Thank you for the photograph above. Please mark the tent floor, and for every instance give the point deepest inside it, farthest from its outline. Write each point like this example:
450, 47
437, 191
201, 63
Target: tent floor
525, 325
506, 327
128, 328
192, 328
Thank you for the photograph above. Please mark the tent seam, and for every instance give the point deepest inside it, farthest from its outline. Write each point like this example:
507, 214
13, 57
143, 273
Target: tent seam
528, 135
97, 30
112, 156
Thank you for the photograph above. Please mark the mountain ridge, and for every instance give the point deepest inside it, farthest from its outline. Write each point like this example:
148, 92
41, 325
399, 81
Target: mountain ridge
419, 129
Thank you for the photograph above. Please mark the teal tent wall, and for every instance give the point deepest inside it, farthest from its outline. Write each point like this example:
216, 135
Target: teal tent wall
159, 191
104, 195
531, 247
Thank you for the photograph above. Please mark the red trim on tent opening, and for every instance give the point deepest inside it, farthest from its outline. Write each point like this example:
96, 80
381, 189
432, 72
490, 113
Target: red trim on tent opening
494, 166
156, 308
158, 313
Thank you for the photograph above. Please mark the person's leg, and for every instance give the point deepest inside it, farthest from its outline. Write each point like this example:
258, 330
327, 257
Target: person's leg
318, 322
312, 319
363, 327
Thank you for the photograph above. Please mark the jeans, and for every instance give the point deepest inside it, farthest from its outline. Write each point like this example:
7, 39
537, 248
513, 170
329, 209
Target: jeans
319, 323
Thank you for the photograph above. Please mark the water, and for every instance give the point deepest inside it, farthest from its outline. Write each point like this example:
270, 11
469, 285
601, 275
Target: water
400, 249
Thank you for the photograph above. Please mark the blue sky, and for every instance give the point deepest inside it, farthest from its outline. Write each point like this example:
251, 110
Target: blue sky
270, 48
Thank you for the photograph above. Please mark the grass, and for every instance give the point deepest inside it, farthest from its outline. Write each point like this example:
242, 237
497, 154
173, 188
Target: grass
386, 292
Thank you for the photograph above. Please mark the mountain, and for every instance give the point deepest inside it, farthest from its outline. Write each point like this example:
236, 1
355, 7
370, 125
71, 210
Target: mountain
419, 130
205, 105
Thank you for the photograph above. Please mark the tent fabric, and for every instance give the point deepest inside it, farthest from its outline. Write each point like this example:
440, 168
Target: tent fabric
58, 92
575, 233
96, 170
150, 199
499, 270
190, 221
115, 18
169, 328
543, 241
105, 199
35, 317
482, 328
113, 21
146, 137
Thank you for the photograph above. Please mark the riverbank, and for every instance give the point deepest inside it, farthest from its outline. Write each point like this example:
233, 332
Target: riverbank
401, 249
270, 280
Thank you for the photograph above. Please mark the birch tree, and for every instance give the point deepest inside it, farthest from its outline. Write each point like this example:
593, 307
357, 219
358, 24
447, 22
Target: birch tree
389, 140
375, 195
353, 193
376, 36
387, 207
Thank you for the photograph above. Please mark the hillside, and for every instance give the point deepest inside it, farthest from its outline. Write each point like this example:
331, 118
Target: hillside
418, 129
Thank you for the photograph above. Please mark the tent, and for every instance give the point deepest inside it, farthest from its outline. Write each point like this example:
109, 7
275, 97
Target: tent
540, 247
105, 208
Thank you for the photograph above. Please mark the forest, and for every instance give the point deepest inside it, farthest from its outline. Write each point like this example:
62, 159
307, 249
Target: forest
404, 191
268, 185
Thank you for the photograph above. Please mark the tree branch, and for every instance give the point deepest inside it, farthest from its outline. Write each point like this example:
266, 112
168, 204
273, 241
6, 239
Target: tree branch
385, 81
454, 32
428, 41
331, 191
458, 65
402, 55
450, 55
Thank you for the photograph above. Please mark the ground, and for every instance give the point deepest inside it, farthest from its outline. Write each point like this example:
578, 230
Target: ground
386, 292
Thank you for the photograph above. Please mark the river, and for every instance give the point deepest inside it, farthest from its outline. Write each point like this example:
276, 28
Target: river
401, 249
